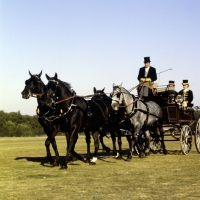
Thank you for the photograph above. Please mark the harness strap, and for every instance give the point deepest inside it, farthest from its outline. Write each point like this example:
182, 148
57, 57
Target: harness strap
147, 112
135, 109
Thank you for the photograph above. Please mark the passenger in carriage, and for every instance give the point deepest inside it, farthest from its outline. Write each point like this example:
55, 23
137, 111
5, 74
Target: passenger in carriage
171, 92
187, 95
146, 74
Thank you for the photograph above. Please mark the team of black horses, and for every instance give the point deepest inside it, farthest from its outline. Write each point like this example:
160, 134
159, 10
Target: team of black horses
60, 109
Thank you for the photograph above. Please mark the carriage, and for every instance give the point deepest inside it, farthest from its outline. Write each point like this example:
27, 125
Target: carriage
178, 123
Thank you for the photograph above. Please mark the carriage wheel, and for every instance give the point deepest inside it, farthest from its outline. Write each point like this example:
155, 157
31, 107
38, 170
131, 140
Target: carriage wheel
186, 139
155, 143
197, 136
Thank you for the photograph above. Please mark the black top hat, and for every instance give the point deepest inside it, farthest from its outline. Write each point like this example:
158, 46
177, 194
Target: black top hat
171, 82
146, 59
185, 82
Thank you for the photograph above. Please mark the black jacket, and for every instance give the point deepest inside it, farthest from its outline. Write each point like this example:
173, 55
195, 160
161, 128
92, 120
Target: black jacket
188, 96
151, 74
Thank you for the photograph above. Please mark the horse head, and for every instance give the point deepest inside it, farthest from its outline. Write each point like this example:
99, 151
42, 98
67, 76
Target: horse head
117, 97
33, 85
99, 93
57, 90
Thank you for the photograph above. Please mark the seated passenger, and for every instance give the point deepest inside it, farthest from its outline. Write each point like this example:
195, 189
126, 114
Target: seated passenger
187, 95
171, 92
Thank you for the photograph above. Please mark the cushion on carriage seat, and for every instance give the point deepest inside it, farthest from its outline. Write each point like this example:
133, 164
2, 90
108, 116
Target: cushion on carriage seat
150, 84
163, 89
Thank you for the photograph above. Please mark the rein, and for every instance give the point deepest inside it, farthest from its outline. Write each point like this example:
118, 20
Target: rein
128, 104
133, 88
36, 95
87, 96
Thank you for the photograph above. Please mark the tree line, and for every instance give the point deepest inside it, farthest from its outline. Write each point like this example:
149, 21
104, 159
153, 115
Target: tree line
14, 124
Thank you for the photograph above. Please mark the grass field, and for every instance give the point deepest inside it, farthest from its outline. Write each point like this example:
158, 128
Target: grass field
25, 173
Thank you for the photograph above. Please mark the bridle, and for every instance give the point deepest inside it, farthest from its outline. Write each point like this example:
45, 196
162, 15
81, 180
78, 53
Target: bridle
120, 92
30, 89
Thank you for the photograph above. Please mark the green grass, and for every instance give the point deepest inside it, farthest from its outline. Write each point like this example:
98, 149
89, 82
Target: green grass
25, 174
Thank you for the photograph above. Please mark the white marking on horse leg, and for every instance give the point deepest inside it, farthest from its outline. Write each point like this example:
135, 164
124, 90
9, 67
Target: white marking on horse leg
116, 155
94, 159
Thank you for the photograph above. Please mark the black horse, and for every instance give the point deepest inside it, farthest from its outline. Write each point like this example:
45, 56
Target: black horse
80, 115
117, 126
51, 124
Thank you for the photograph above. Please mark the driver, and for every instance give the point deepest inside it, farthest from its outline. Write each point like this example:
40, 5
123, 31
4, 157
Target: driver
146, 74
187, 95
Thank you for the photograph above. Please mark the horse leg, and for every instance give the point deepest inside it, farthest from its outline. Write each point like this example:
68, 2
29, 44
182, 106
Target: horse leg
107, 149
114, 144
74, 154
47, 145
88, 140
147, 143
54, 145
162, 137
135, 142
128, 138
119, 141
96, 147
72, 137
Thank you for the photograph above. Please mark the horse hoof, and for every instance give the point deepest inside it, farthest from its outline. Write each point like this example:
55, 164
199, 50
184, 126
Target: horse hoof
107, 149
92, 163
56, 164
87, 160
119, 157
147, 154
74, 158
129, 158
165, 152
63, 167
135, 153
141, 155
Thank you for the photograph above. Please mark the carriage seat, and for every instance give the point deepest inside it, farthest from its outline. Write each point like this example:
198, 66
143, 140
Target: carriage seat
166, 88
150, 85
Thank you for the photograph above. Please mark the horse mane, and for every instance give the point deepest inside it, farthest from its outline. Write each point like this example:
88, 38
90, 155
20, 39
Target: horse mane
127, 92
67, 85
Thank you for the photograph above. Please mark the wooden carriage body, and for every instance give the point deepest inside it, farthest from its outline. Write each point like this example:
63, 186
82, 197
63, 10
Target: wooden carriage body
178, 122
172, 113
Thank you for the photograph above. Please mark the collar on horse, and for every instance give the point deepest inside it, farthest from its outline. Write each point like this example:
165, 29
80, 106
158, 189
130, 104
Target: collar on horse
135, 109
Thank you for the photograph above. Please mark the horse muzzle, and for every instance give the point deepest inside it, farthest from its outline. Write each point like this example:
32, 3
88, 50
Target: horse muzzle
115, 106
25, 95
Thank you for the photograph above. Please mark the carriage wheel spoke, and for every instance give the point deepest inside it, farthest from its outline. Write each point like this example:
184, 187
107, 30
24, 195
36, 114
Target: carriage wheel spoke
197, 136
186, 139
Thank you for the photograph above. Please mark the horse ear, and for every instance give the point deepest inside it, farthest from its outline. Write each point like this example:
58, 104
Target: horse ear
94, 89
47, 77
120, 85
56, 76
103, 89
113, 84
40, 73
30, 73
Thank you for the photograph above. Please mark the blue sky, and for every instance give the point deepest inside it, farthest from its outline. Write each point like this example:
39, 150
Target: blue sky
95, 43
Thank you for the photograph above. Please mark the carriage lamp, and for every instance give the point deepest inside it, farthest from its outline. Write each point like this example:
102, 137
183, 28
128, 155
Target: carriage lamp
38, 111
61, 111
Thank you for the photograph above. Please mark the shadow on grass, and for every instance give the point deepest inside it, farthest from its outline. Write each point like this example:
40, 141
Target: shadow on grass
170, 152
102, 155
42, 160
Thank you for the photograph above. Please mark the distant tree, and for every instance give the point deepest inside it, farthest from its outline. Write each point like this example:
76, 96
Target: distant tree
24, 130
9, 129
15, 124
